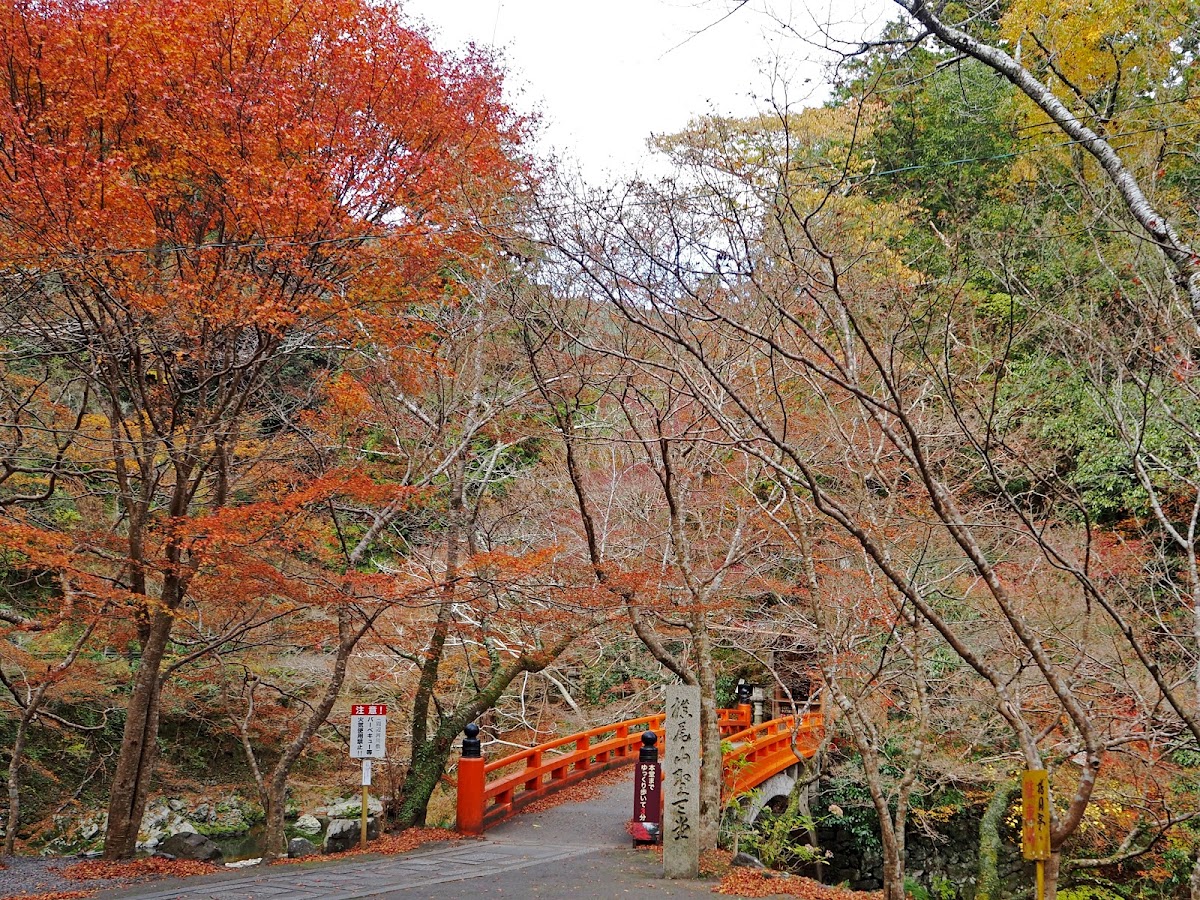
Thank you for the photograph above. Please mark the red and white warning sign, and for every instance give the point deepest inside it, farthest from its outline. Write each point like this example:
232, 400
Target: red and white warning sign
368, 731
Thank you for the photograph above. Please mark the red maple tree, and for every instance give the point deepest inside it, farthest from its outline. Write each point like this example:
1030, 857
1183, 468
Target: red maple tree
201, 204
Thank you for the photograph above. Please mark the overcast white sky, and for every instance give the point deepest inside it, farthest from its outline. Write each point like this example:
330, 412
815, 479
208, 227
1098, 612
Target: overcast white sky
605, 75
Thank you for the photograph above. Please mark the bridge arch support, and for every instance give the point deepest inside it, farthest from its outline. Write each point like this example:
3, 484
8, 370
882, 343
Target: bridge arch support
777, 787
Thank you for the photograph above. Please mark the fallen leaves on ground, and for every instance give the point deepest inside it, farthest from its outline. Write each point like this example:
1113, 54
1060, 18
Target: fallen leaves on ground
402, 842
753, 883
409, 839
55, 895
151, 866
714, 863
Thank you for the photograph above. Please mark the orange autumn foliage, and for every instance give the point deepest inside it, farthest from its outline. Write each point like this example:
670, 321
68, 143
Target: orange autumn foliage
152, 144
204, 208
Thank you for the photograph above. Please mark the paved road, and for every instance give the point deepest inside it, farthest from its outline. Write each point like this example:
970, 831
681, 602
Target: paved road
575, 850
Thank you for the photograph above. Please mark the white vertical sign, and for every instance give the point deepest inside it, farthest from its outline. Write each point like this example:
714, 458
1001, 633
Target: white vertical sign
681, 783
368, 731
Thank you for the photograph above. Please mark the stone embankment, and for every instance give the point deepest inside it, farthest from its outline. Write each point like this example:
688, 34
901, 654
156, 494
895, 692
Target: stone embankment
229, 821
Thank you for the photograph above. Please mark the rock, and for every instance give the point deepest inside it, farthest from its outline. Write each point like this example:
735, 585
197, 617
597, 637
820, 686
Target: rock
747, 861
176, 804
244, 863
172, 823
308, 825
201, 812
352, 807
90, 828
299, 847
342, 834
189, 845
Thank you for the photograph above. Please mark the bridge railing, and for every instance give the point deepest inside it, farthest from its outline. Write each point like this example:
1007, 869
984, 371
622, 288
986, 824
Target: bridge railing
766, 750
527, 775
489, 792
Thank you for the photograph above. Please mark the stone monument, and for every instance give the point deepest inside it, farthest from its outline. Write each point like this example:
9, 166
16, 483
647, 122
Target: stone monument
681, 783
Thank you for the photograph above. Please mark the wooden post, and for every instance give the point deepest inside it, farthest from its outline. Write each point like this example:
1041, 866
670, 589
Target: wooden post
471, 780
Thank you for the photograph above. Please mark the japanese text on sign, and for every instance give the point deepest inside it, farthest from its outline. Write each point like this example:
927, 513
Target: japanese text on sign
649, 794
681, 782
1035, 815
368, 731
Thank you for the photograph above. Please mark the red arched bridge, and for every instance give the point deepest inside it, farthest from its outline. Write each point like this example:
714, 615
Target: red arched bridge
491, 791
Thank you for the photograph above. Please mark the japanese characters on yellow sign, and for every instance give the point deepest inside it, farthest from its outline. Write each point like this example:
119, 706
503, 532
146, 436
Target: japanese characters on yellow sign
1035, 815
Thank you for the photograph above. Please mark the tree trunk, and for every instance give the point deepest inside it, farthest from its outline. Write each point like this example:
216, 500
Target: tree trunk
274, 791
711, 774
1052, 866
139, 746
429, 757
891, 833
274, 806
424, 771
893, 872
14, 781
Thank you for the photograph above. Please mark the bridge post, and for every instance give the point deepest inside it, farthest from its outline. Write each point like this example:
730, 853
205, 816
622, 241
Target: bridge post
471, 780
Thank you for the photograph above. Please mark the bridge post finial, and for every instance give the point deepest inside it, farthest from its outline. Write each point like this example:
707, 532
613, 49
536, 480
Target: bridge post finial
471, 746
744, 692
649, 751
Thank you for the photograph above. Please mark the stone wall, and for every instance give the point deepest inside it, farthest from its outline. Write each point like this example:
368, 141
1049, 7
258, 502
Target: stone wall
946, 865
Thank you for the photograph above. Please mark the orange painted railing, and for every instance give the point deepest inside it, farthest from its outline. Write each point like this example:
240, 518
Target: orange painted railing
489, 792
766, 750
527, 775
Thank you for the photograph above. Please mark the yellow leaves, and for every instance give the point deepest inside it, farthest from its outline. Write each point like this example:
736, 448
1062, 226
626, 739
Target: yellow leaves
1024, 171
817, 141
1093, 45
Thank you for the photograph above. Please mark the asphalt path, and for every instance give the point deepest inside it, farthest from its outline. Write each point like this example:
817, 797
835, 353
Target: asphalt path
573, 850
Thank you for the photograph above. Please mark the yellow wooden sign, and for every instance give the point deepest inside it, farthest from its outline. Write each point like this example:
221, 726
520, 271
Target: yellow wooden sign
1035, 815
